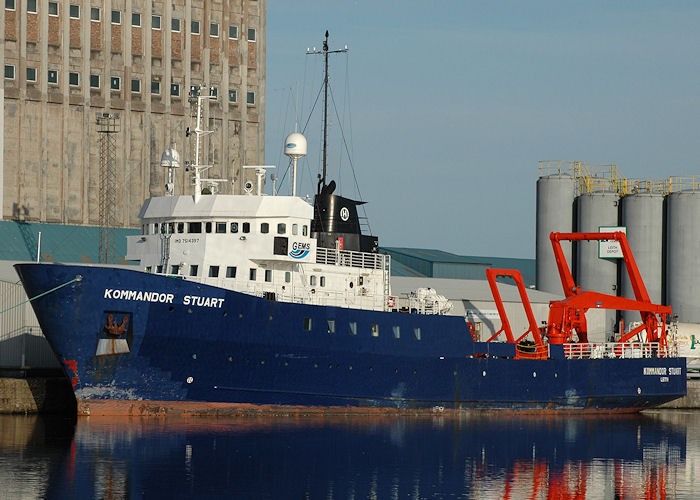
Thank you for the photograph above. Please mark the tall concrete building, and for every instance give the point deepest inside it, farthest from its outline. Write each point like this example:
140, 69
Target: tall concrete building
67, 60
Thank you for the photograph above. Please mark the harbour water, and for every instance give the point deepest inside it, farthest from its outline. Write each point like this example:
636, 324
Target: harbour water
484, 456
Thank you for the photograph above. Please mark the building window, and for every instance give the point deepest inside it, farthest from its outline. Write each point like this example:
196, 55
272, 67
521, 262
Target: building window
52, 76
53, 9
10, 71
175, 89
268, 275
213, 91
115, 83
232, 97
74, 11
155, 88
194, 227
246, 227
234, 227
116, 17
136, 86
195, 28
307, 324
194, 269
250, 99
213, 271
220, 227
352, 328
264, 228
95, 14
233, 32
155, 22
9, 4
31, 74
251, 34
281, 228
175, 24
253, 273
231, 272
136, 19
94, 81
31, 6
214, 30
397, 332
73, 79
375, 330
331, 326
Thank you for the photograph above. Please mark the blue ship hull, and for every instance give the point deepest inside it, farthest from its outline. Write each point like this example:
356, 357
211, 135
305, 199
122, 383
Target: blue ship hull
128, 336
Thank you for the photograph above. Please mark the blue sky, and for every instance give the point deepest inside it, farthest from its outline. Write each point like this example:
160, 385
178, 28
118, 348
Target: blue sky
447, 109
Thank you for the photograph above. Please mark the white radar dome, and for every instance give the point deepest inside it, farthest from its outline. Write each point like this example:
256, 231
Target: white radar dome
295, 145
170, 158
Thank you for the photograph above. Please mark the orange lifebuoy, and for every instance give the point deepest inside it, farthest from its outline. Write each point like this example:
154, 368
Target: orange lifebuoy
391, 302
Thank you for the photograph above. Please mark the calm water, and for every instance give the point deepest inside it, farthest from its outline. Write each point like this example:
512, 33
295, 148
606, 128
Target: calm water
476, 456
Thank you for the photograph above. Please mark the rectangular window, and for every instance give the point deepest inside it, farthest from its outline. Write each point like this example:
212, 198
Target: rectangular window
312, 280
234, 227
52, 76
352, 328
268, 275
322, 281
195, 28
253, 273
397, 332
233, 32
155, 22
155, 88
74, 11
116, 17
73, 79
307, 324
214, 30
9, 4
231, 272
282, 228
175, 89
287, 277
213, 271
246, 227
232, 96
251, 34
159, 269
136, 86
207, 227
115, 83
264, 228
213, 91
194, 269
53, 9
331, 326
136, 19
305, 230
94, 81
180, 227
220, 227
31, 6
95, 14
175, 269
194, 227
175, 25
280, 245
250, 99
416, 333
149, 269
375, 330
295, 229
31, 74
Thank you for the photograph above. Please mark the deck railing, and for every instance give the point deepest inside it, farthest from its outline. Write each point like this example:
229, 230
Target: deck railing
627, 350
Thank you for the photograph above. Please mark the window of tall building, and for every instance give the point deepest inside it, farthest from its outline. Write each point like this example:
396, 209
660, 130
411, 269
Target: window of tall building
232, 97
155, 88
195, 27
116, 17
136, 85
214, 29
136, 19
9, 4
213, 91
175, 89
94, 14
251, 34
73, 79
155, 22
175, 24
31, 74
115, 83
10, 71
94, 81
233, 32
52, 76
53, 9
31, 6
250, 98
74, 11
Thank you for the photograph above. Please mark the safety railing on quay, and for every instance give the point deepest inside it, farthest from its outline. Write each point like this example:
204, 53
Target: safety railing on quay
628, 350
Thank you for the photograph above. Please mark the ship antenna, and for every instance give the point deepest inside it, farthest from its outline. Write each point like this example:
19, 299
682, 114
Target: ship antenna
209, 95
325, 52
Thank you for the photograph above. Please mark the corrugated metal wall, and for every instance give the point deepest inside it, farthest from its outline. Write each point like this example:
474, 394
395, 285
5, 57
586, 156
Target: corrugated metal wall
22, 344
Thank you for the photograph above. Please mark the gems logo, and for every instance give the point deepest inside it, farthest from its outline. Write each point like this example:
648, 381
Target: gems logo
300, 250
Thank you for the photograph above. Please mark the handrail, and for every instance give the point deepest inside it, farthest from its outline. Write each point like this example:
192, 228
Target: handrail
594, 350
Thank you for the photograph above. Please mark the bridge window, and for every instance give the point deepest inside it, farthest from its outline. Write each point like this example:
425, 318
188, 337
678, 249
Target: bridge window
246, 227
312, 280
213, 271
268, 275
220, 227
375, 330
208, 227
231, 272
295, 229
253, 273
194, 227
287, 277
180, 227
397, 332
234, 227
323, 281
194, 269
281, 228
305, 230
416, 333
352, 327
264, 228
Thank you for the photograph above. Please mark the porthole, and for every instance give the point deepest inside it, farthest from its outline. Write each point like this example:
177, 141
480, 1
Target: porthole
315, 365
286, 363
483, 374
230, 358
194, 356
534, 374
189, 310
262, 361
639, 390
371, 368
190, 380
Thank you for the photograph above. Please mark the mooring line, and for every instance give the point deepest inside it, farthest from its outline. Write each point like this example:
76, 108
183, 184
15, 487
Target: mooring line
77, 278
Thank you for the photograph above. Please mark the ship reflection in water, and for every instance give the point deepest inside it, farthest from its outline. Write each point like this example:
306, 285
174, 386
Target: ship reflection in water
475, 456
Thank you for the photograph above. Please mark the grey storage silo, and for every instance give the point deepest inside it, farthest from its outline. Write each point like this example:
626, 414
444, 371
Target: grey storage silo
592, 273
683, 255
643, 215
555, 207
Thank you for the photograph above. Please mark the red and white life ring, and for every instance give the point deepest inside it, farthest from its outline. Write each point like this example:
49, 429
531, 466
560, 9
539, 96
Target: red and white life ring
391, 302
